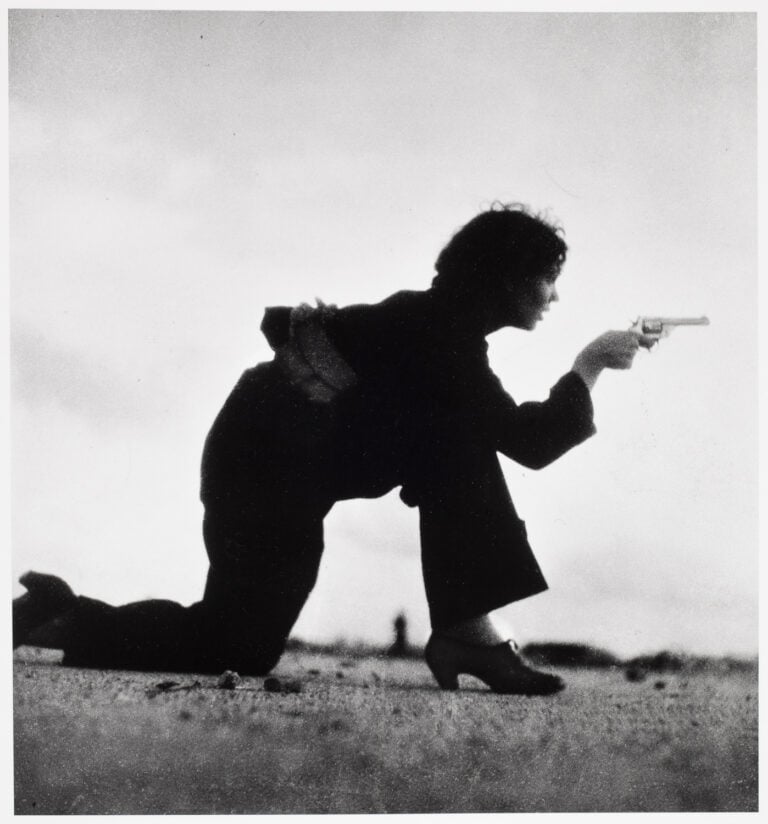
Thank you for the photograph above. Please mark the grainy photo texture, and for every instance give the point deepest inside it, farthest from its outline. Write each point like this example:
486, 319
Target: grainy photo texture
384, 412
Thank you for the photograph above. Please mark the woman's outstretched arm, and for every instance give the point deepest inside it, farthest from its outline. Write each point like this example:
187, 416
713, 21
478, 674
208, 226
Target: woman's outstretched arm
537, 433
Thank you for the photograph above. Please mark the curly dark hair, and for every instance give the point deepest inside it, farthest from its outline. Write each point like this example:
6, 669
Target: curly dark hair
508, 242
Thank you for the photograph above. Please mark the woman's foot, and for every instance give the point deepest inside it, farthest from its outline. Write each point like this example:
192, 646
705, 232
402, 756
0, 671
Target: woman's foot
500, 666
47, 597
478, 631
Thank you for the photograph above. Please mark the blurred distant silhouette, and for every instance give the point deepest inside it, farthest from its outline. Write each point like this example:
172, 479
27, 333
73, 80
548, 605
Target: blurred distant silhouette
400, 648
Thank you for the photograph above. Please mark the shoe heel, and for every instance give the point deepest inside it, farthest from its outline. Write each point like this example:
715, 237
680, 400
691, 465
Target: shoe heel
447, 677
445, 680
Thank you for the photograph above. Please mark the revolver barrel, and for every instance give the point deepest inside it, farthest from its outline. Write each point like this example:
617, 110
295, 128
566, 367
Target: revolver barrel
702, 321
655, 326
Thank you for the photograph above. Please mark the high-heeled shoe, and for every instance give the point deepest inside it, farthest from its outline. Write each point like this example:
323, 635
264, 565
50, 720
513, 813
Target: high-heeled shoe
500, 666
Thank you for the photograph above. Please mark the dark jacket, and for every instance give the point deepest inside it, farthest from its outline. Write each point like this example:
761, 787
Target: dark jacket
422, 375
417, 406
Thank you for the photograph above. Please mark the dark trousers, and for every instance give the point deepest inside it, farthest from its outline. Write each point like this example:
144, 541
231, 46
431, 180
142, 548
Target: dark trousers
273, 467
242, 622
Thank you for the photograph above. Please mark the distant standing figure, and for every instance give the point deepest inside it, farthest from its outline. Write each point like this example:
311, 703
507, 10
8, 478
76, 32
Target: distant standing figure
359, 400
399, 646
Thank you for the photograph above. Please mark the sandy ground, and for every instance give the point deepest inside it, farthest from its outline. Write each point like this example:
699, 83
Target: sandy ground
376, 735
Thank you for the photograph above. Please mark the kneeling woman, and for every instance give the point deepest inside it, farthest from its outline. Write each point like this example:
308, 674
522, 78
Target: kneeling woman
357, 401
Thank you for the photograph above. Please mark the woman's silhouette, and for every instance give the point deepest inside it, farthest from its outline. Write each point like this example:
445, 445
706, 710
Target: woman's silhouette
357, 401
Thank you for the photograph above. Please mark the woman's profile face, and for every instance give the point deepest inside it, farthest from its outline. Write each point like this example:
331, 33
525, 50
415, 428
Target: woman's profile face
536, 299
523, 305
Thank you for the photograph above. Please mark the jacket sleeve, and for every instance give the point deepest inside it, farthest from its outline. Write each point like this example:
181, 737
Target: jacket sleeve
536, 433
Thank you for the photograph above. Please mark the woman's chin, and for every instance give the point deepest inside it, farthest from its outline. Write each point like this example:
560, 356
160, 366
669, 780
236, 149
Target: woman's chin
527, 324
532, 324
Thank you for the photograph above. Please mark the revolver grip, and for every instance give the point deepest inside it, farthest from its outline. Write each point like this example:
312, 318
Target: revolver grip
639, 328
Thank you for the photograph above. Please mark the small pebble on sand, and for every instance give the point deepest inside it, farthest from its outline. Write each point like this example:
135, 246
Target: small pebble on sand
228, 680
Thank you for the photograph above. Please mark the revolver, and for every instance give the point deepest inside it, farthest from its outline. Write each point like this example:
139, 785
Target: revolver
658, 328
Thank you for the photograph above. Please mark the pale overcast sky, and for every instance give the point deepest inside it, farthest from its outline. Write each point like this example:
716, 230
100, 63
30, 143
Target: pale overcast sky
173, 173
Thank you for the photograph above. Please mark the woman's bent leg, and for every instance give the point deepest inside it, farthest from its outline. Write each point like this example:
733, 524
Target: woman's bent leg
262, 572
475, 551
145, 635
264, 486
476, 558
